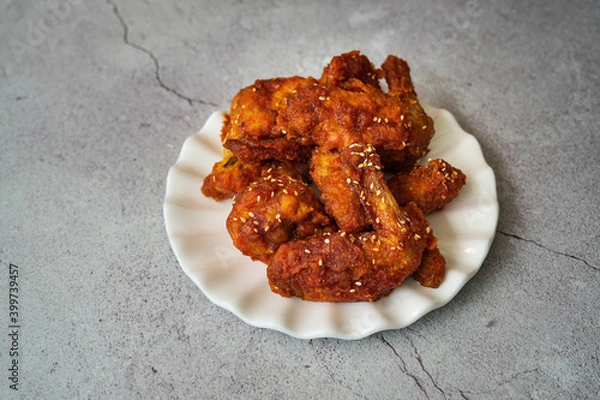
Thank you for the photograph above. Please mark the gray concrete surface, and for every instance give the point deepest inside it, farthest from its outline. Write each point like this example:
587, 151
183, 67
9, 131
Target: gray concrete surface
96, 98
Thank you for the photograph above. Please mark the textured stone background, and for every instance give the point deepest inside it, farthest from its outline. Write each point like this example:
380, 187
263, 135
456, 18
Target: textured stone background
96, 98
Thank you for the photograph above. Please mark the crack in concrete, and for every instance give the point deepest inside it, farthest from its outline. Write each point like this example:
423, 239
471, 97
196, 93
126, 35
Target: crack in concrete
560, 253
404, 367
154, 59
420, 361
462, 394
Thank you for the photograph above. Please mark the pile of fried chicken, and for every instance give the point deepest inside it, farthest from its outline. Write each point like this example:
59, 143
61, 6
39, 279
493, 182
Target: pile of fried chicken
326, 186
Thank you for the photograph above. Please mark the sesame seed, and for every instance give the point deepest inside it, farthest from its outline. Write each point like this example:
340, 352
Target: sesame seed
242, 219
358, 283
327, 241
320, 262
307, 251
251, 214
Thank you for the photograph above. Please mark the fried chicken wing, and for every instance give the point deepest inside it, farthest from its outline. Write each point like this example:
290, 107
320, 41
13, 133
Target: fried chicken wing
273, 210
348, 66
339, 189
256, 131
432, 269
431, 187
229, 176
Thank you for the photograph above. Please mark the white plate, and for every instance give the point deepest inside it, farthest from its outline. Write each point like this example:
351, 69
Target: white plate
196, 229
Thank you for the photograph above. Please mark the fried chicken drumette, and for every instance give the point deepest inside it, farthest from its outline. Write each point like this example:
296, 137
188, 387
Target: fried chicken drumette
431, 187
272, 210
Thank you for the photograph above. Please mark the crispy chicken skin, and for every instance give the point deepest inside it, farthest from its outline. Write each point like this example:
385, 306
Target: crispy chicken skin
349, 66
273, 210
229, 176
359, 235
337, 182
257, 131
432, 269
431, 187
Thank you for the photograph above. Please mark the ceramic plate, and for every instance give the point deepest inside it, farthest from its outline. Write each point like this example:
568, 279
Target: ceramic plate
196, 230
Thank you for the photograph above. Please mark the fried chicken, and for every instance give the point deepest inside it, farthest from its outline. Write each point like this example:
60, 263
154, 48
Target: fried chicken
338, 185
358, 236
229, 176
258, 131
431, 187
272, 210
362, 267
284, 118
